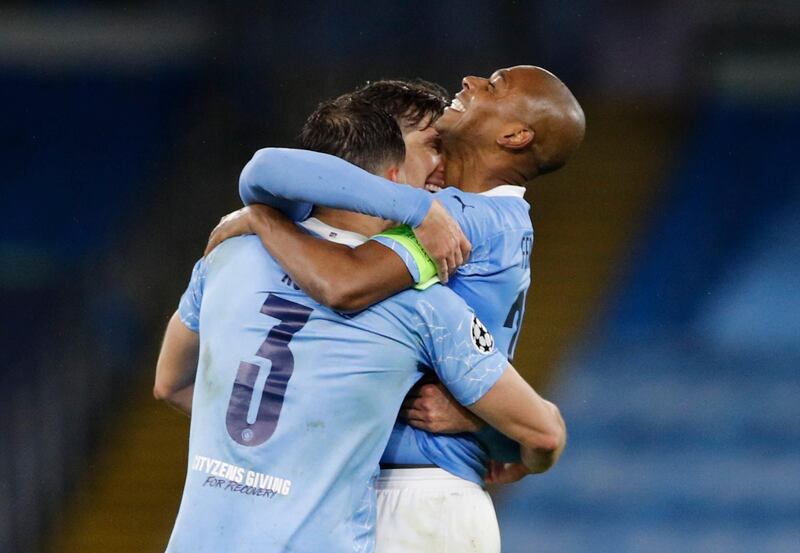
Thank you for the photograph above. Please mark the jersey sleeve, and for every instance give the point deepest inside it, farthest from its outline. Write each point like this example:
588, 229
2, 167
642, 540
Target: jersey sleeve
296, 180
189, 307
459, 347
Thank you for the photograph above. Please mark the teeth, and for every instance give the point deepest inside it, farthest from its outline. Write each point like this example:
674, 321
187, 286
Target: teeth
457, 105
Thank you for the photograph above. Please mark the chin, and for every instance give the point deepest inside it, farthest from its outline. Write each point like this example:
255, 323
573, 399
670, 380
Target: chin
447, 120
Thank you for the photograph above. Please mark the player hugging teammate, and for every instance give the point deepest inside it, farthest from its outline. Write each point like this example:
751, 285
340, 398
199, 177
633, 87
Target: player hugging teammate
322, 390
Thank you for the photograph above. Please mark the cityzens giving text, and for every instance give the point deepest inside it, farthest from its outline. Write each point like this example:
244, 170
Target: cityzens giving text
229, 477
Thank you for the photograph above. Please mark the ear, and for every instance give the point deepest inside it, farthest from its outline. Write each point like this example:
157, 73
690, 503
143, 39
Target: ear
392, 173
516, 137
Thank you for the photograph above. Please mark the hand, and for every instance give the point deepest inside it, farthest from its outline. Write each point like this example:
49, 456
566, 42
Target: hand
241, 221
505, 473
443, 239
432, 408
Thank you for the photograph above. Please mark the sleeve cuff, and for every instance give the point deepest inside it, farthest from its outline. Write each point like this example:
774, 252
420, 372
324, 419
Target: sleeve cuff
424, 200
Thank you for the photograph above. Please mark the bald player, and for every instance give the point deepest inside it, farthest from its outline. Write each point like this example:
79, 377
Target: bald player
497, 134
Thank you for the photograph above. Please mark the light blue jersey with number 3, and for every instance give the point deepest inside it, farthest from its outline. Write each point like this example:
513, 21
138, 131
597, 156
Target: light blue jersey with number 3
294, 403
494, 281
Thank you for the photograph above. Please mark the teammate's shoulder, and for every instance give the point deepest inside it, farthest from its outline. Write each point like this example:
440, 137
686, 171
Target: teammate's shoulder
501, 197
438, 296
237, 246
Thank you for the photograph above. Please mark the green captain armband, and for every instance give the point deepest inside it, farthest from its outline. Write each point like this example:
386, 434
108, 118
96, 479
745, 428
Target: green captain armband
404, 235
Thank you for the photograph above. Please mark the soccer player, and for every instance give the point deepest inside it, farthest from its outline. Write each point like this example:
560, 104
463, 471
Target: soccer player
498, 133
294, 403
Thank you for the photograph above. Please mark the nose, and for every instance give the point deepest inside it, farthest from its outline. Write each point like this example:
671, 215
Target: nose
469, 82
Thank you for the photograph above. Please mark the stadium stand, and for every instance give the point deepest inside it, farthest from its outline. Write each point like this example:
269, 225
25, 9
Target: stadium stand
684, 413
56, 386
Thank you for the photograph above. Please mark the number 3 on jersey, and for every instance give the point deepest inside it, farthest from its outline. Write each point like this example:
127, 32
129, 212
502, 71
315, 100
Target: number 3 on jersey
292, 317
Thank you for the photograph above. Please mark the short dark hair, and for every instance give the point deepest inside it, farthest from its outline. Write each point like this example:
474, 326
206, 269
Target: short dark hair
410, 102
356, 131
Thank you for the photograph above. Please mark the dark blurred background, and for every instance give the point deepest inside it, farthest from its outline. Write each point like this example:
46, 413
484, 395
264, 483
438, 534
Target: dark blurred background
664, 315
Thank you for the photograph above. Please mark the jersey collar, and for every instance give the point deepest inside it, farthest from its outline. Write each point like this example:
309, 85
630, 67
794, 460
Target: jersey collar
506, 190
326, 231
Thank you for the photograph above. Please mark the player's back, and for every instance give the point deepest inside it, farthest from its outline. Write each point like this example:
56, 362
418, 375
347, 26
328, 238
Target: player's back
292, 467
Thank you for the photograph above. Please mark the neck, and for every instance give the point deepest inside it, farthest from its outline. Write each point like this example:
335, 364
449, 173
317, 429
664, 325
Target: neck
354, 222
473, 170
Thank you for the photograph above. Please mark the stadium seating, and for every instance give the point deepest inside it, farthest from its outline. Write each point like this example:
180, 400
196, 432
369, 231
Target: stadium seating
73, 326
683, 410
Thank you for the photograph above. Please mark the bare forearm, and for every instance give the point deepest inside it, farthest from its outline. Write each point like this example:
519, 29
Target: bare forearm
177, 365
538, 459
516, 410
335, 275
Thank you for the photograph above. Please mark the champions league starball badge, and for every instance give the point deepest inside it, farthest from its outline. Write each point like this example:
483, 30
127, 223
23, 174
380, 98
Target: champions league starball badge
481, 338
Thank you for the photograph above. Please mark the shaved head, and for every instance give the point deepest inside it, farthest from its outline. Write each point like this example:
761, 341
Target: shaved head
556, 118
519, 123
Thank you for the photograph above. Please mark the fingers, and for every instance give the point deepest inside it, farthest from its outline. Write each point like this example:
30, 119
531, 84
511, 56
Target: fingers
459, 251
443, 270
465, 247
213, 242
505, 473
409, 403
413, 414
451, 259
458, 258
422, 425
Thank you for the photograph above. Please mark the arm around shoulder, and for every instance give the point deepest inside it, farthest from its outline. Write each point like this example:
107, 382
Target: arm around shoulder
342, 278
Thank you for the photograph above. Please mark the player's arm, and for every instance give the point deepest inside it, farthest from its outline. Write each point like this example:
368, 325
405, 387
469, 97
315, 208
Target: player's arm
343, 278
429, 406
433, 408
462, 353
177, 365
515, 409
177, 361
293, 181
313, 178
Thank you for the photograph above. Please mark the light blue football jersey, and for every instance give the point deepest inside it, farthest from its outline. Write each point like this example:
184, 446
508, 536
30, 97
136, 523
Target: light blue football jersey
494, 281
294, 403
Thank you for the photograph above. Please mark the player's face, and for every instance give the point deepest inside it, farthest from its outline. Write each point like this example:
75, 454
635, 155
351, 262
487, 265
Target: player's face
483, 106
424, 162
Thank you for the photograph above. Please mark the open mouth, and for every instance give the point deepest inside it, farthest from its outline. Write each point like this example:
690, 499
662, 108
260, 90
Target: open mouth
456, 105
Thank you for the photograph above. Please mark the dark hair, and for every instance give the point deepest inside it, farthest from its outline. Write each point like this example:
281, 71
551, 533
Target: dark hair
356, 131
410, 102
